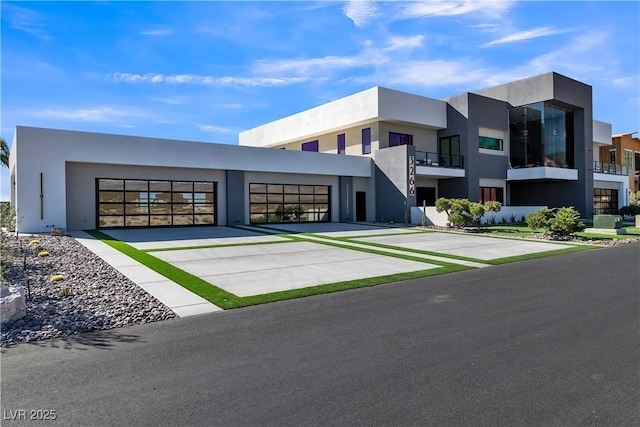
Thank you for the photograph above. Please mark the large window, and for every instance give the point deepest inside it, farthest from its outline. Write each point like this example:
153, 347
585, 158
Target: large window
449, 152
490, 143
605, 201
366, 141
628, 160
495, 194
541, 134
154, 203
277, 203
396, 139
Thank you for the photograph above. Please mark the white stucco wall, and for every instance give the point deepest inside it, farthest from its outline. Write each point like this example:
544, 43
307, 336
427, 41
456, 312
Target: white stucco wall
370, 105
81, 187
614, 182
47, 151
602, 133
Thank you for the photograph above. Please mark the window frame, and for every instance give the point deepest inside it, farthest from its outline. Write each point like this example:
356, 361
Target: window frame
138, 203
366, 141
407, 141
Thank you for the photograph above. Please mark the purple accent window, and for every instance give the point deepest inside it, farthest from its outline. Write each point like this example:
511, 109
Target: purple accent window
396, 139
366, 141
310, 146
341, 144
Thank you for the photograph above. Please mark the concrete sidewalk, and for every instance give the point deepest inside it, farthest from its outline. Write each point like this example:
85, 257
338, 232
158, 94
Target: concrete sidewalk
180, 300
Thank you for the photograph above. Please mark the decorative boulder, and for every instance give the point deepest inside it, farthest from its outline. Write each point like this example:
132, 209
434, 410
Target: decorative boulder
12, 304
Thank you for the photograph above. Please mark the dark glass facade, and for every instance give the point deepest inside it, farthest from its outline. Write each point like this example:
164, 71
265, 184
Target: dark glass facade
541, 134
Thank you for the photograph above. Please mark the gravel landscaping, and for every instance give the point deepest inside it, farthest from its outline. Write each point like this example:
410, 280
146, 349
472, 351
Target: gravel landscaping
101, 297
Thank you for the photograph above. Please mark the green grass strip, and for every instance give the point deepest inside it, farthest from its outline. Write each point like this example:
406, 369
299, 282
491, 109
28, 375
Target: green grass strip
398, 248
567, 249
206, 290
227, 300
335, 243
221, 245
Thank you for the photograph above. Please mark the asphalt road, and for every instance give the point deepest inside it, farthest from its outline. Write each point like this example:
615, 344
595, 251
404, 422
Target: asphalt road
548, 342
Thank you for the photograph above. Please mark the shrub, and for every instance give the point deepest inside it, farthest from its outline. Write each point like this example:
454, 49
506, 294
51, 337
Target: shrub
566, 221
557, 222
539, 220
463, 213
630, 210
7, 216
634, 199
65, 292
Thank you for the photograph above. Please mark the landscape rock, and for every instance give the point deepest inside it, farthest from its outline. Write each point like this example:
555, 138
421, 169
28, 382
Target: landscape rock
103, 298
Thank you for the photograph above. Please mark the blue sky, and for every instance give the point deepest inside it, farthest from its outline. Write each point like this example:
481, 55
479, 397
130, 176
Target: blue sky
205, 71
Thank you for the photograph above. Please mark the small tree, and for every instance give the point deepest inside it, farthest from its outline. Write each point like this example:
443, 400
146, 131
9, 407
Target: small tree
539, 220
4, 153
566, 221
634, 199
557, 222
463, 213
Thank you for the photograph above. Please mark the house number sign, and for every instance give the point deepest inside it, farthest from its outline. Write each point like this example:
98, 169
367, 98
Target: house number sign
412, 176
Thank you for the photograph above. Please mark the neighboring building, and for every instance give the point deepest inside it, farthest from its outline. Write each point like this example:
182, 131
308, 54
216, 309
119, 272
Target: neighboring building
623, 157
371, 156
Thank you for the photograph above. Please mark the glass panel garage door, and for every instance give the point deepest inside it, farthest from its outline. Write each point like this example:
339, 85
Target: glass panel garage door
154, 203
277, 203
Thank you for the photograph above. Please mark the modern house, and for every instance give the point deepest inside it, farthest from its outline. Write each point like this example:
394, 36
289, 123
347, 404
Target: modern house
622, 157
372, 156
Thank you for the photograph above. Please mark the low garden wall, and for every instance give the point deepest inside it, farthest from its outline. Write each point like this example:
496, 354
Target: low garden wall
506, 215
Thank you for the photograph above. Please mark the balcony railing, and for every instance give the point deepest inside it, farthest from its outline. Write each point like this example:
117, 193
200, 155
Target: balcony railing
611, 168
436, 160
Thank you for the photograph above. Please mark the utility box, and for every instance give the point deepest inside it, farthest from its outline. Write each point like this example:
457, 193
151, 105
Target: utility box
609, 222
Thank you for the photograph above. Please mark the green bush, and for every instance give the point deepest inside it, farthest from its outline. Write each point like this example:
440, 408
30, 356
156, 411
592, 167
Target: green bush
7, 216
539, 220
463, 213
566, 221
557, 222
630, 210
634, 199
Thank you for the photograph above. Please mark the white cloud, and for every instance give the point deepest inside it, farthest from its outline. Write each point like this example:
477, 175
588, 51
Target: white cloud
217, 129
157, 32
397, 42
360, 11
322, 66
24, 19
96, 114
525, 35
625, 82
195, 79
431, 8
433, 73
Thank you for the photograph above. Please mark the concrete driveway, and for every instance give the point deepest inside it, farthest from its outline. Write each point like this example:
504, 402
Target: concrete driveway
249, 261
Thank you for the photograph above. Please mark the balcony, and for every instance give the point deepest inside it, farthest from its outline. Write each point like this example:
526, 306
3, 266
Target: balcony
542, 173
436, 165
611, 168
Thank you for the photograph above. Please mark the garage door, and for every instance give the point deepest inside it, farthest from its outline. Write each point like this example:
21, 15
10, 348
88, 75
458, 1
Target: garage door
154, 203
